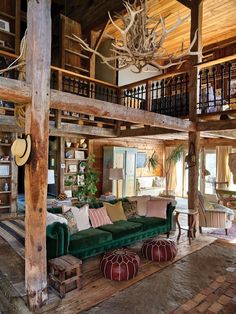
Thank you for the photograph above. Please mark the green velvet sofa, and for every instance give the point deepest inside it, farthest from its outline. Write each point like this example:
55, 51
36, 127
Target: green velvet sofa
93, 241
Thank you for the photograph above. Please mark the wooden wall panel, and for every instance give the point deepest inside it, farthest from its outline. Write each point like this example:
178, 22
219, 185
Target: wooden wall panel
96, 147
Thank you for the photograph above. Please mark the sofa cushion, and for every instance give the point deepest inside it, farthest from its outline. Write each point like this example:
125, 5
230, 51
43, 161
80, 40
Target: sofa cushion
80, 214
157, 208
148, 222
115, 211
122, 228
130, 208
141, 203
88, 238
99, 217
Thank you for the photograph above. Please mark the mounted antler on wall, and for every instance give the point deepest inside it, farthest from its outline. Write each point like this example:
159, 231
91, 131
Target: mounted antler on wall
141, 40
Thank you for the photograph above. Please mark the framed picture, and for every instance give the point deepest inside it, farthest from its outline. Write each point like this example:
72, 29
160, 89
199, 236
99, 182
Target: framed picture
141, 160
79, 154
4, 25
4, 170
72, 168
233, 88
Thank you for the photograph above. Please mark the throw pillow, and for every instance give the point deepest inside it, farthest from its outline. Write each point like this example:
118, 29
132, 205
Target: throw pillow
80, 214
115, 211
72, 225
141, 203
51, 218
99, 217
157, 208
130, 208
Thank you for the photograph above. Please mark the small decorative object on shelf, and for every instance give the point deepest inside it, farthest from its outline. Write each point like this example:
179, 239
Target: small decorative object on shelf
6, 187
68, 144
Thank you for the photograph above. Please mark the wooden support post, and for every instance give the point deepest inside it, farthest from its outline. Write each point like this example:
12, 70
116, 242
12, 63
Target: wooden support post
194, 137
37, 125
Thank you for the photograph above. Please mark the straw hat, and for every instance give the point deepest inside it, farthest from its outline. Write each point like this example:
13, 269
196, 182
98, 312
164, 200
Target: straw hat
21, 149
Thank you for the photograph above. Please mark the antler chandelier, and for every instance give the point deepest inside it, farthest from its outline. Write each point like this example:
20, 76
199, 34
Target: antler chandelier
141, 40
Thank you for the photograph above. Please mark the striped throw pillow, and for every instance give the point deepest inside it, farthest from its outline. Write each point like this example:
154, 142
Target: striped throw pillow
99, 217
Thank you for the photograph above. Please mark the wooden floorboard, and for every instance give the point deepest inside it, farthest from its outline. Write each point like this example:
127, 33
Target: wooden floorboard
95, 287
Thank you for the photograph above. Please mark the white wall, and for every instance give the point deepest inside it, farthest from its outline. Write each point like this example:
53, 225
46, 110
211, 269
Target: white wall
126, 76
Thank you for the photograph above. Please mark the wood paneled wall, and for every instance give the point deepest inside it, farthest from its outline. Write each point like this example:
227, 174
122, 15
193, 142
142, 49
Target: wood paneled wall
148, 146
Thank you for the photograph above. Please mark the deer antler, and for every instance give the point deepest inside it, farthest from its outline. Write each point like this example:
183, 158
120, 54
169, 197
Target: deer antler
141, 43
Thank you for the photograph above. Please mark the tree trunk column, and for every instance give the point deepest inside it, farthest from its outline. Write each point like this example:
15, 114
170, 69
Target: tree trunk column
37, 125
194, 137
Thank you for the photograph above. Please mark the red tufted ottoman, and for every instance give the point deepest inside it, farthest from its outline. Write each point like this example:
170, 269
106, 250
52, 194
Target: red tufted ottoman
159, 250
120, 265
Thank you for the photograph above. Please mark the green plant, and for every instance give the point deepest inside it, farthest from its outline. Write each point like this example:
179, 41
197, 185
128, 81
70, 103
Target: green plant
87, 191
153, 161
171, 160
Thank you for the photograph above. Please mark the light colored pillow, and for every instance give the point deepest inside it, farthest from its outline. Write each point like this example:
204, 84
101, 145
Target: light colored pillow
72, 225
157, 208
115, 211
99, 217
80, 214
141, 203
51, 218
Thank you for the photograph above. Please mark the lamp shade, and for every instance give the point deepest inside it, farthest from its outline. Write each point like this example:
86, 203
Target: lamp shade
116, 173
51, 176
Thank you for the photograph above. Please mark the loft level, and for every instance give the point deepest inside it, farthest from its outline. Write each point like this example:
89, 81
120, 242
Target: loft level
166, 94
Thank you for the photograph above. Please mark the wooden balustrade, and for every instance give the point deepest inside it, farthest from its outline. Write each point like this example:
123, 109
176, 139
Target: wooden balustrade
166, 94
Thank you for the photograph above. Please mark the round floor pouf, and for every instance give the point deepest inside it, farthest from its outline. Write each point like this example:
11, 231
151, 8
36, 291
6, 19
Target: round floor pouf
159, 250
120, 265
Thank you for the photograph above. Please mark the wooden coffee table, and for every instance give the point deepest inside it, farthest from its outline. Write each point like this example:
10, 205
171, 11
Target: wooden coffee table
192, 220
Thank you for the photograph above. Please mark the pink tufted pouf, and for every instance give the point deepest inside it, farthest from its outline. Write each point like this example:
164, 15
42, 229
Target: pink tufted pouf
120, 265
159, 250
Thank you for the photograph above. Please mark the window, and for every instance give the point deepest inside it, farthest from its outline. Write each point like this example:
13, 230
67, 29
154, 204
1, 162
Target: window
210, 165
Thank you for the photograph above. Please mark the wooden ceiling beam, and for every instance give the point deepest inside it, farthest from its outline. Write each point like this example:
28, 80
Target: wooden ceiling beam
146, 131
8, 123
217, 125
186, 3
12, 90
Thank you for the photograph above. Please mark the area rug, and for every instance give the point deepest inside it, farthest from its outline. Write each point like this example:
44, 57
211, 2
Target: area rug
13, 231
170, 287
220, 233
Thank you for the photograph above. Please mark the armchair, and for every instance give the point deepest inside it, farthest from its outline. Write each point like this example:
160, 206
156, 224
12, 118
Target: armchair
214, 215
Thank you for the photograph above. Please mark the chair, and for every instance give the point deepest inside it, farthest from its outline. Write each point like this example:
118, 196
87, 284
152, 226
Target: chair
214, 215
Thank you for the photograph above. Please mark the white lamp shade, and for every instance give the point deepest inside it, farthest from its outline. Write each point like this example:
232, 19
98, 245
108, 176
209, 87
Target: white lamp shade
51, 176
116, 173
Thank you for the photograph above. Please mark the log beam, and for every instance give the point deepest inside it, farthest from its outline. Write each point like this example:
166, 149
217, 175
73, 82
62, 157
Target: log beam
103, 109
8, 123
146, 131
75, 103
38, 60
229, 124
194, 137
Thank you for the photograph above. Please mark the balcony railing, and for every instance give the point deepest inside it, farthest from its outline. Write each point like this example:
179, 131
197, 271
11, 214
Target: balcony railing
217, 86
166, 94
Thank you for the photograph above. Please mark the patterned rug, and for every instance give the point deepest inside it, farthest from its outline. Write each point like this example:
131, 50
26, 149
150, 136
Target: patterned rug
13, 231
220, 233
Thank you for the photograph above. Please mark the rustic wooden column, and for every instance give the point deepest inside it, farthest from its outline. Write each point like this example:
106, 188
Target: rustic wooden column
37, 124
194, 137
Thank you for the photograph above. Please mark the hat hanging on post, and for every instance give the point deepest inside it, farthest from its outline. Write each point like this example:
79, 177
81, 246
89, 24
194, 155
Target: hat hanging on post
21, 149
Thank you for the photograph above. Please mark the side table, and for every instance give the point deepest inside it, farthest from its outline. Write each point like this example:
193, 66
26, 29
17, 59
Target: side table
192, 220
65, 274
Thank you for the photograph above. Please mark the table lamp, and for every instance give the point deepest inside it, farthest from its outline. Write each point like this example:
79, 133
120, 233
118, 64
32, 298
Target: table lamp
116, 174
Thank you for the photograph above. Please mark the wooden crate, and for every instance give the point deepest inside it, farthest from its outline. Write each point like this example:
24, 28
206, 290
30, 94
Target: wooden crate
65, 274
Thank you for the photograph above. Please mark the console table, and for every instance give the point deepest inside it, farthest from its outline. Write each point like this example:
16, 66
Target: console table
192, 220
